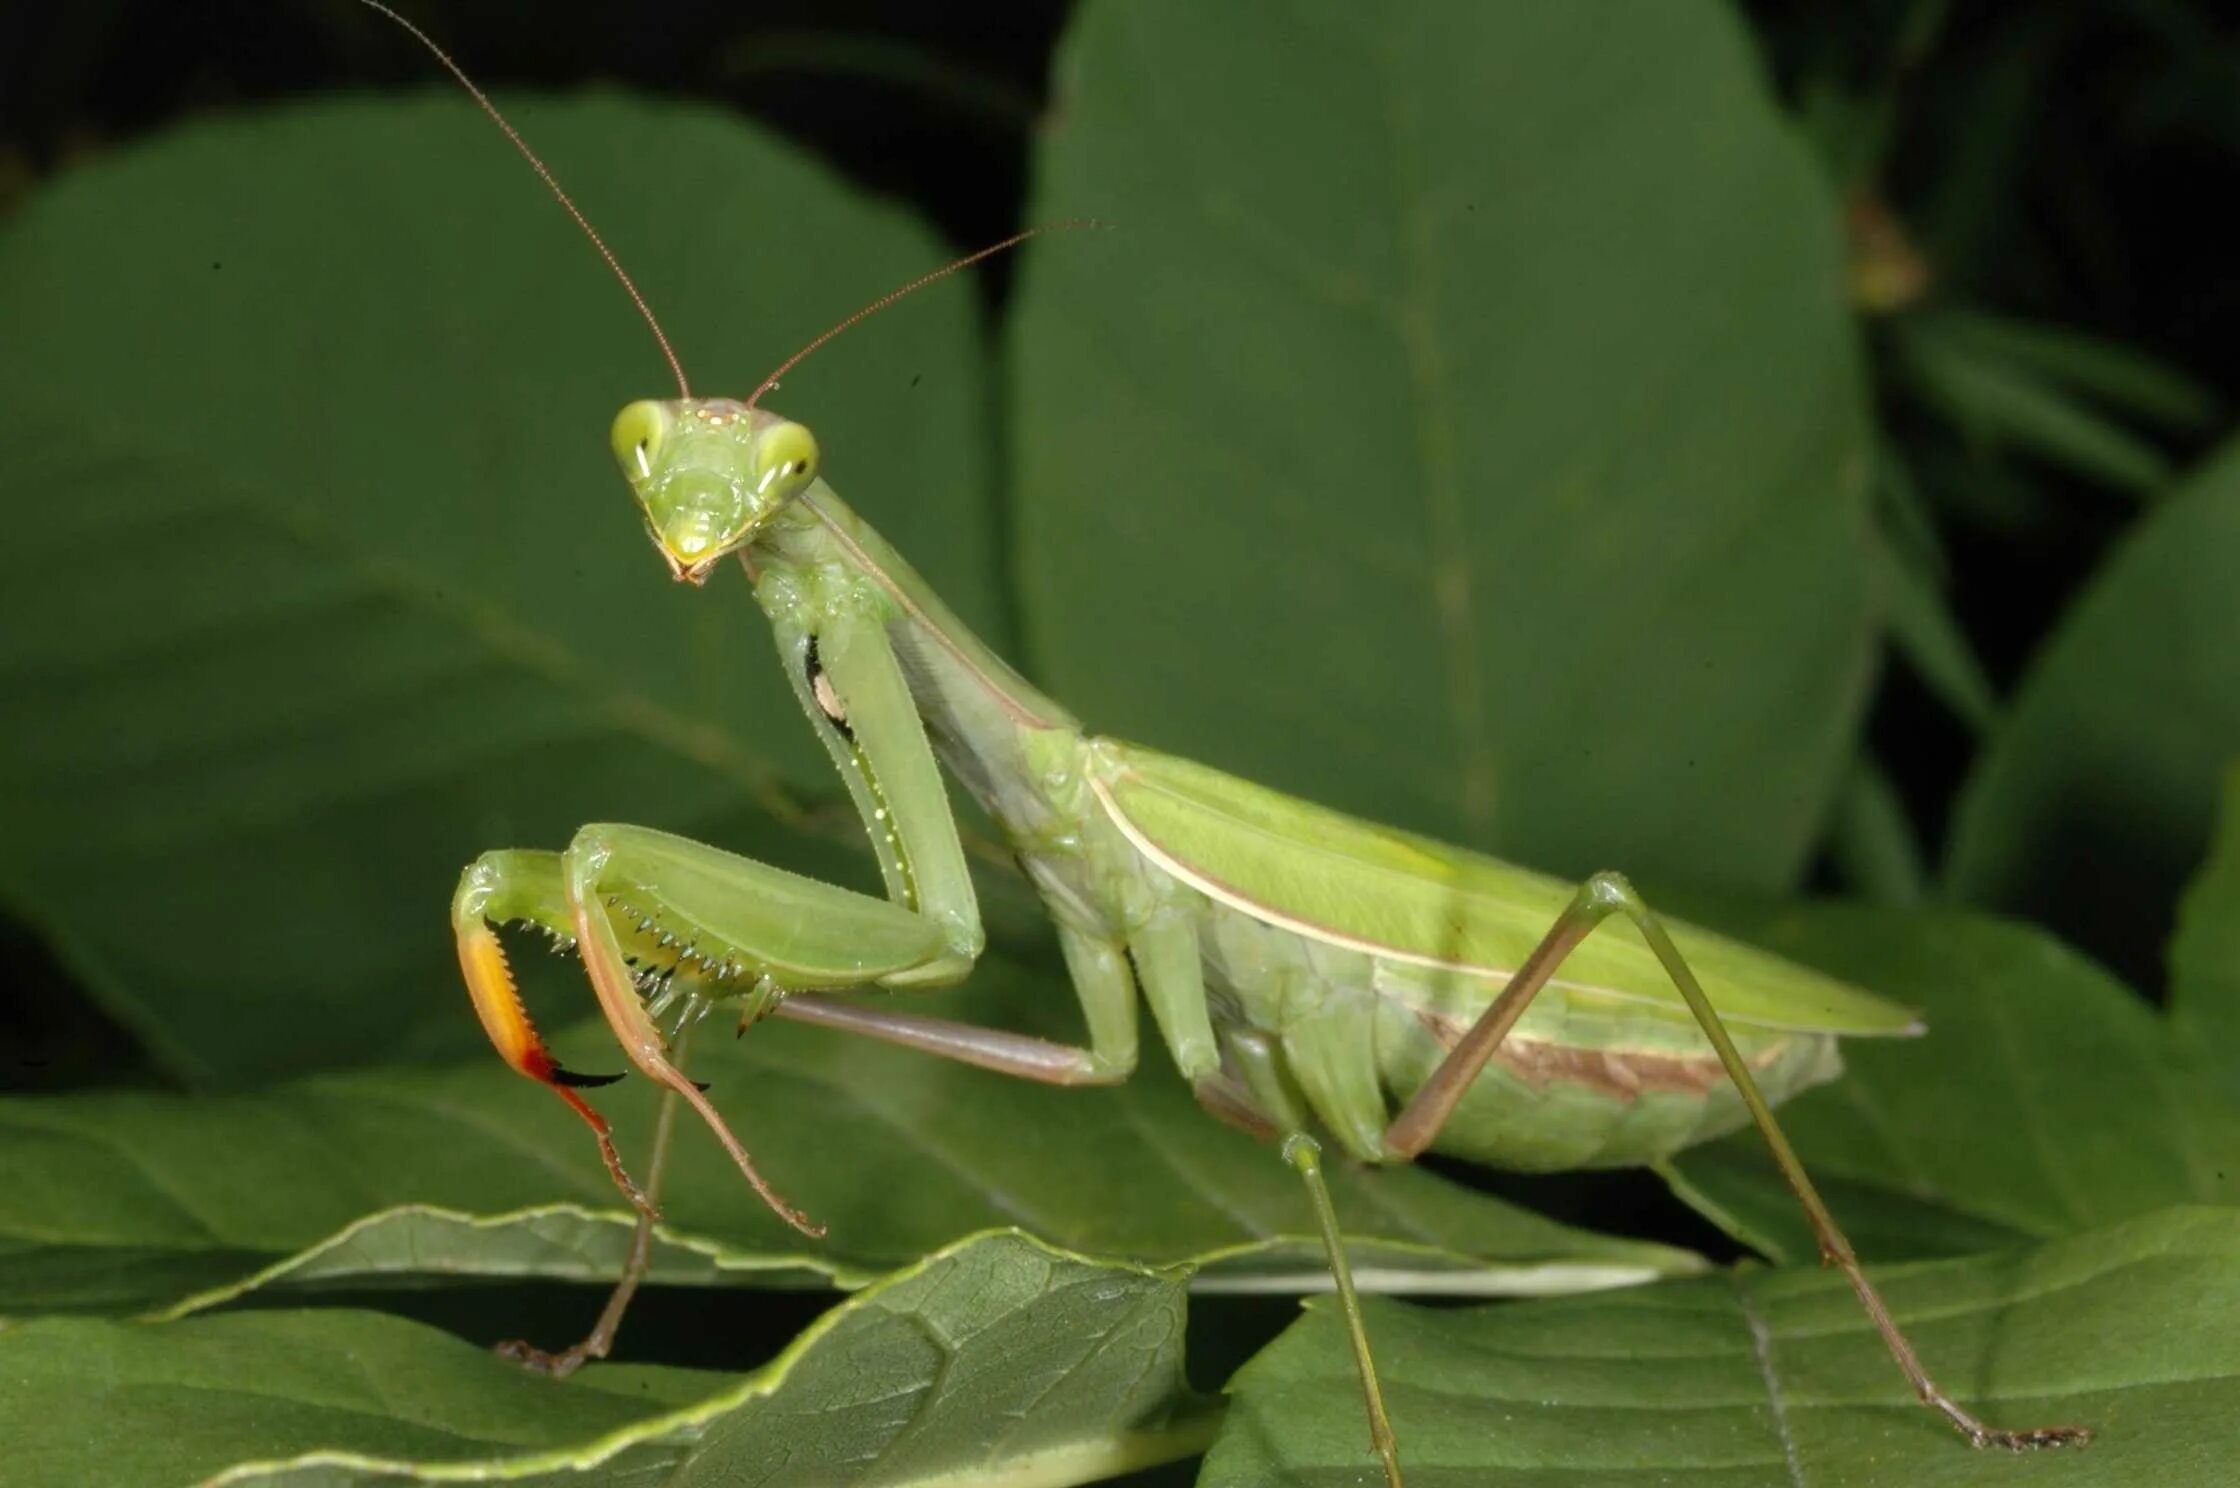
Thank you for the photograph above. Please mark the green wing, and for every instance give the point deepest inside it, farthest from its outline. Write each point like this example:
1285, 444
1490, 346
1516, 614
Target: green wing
1349, 882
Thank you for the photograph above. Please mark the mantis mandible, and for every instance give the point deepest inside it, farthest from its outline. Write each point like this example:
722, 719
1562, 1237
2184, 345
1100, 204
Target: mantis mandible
1317, 979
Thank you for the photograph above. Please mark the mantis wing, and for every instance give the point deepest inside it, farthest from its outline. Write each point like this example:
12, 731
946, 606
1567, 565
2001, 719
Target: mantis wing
1338, 879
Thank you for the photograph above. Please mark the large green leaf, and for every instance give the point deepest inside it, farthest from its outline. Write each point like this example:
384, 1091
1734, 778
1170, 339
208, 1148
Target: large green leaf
2045, 1098
1461, 426
2092, 803
1775, 1379
318, 578
1000, 1361
118, 1201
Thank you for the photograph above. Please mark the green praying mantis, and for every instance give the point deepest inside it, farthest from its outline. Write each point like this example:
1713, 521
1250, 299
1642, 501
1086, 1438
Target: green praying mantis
1318, 980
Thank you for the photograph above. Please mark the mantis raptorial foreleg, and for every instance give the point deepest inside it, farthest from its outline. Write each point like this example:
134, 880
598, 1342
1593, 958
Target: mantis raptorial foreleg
629, 896
1601, 896
879, 937
637, 902
678, 899
516, 885
538, 879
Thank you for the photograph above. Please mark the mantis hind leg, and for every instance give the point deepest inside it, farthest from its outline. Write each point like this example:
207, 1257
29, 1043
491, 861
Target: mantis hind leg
1600, 897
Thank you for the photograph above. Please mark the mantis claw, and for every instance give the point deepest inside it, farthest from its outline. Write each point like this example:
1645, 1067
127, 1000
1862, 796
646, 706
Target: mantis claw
561, 1076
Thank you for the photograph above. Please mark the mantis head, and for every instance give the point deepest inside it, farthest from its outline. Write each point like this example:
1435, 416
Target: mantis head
709, 473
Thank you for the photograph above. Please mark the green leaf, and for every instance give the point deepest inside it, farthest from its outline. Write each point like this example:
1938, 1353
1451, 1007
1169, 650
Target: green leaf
2205, 956
2109, 370
1930, 637
1903, 517
1871, 843
124, 1201
1462, 424
2045, 1098
1986, 487
321, 580
1777, 1378
2003, 401
2091, 805
997, 1361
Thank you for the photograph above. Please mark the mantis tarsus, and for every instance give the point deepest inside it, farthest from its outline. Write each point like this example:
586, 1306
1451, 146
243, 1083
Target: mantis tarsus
1316, 978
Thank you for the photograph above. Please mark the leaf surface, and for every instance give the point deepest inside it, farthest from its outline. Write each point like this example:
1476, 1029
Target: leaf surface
2046, 1098
332, 583
997, 1361
1776, 1378
129, 1201
1461, 427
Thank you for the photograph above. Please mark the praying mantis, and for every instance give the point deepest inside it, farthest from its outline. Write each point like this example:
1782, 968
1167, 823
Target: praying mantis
1318, 980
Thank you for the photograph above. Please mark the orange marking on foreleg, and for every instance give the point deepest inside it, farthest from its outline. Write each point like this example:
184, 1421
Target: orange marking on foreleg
497, 1002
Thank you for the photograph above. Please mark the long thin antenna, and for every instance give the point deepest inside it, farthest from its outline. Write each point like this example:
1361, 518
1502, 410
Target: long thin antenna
684, 390
912, 287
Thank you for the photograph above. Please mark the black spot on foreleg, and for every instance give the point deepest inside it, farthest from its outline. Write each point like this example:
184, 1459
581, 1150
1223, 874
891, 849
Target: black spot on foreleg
827, 696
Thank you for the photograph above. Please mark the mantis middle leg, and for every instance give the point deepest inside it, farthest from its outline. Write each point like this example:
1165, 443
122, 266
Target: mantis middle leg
1273, 1090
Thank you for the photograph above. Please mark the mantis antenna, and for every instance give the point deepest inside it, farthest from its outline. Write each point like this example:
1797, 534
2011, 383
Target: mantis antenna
912, 287
684, 389
661, 338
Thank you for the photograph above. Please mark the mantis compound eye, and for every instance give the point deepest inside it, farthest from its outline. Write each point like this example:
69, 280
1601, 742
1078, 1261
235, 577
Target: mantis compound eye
785, 459
636, 437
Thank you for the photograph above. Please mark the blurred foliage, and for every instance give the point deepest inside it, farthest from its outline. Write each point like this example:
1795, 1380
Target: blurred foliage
1768, 450
2053, 343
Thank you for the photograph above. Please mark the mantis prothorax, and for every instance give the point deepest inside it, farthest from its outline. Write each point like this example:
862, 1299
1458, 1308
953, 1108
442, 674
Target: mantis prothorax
1376, 990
